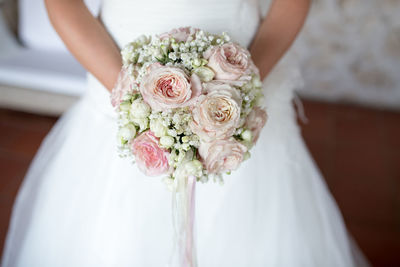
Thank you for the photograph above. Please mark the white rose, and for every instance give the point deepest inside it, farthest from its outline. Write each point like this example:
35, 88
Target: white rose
158, 128
139, 109
127, 132
196, 62
167, 141
142, 123
205, 74
125, 106
247, 135
194, 168
124, 120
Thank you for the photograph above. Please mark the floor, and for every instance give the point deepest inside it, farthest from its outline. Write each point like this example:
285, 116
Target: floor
357, 150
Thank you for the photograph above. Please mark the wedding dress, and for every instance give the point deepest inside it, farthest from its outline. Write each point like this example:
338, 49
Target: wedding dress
81, 205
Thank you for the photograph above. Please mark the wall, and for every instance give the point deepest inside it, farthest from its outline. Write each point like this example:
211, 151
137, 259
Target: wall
349, 51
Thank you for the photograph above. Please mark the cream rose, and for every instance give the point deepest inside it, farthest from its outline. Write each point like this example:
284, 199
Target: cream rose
127, 132
139, 109
217, 113
167, 141
230, 62
151, 159
255, 121
165, 87
158, 128
205, 74
143, 123
220, 156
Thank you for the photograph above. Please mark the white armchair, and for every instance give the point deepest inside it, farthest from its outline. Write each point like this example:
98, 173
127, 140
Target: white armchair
37, 73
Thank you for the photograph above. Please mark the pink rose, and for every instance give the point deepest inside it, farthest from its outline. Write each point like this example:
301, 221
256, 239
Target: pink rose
169, 87
222, 155
255, 121
217, 113
122, 87
151, 159
181, 34
230, 62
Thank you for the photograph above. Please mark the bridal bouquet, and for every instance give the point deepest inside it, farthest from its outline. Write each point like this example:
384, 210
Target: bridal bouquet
189, 105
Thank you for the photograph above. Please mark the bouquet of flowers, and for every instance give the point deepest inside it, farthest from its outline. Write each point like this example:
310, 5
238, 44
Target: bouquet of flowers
189, 105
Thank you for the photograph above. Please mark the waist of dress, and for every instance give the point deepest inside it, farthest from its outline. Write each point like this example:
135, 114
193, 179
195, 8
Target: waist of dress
98, 98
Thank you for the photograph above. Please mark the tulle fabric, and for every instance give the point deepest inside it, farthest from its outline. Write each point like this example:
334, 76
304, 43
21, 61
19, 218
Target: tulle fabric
82, 205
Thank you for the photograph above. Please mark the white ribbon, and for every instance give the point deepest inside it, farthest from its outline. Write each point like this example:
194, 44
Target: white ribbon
183, 211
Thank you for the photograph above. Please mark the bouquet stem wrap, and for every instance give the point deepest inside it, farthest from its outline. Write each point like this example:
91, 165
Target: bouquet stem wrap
183, 215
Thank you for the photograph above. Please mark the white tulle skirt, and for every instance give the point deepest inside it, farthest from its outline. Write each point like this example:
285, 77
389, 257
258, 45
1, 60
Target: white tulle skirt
82, 205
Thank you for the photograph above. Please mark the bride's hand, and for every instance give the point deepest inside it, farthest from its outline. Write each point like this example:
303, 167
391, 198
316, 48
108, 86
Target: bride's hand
86, 38
277, 32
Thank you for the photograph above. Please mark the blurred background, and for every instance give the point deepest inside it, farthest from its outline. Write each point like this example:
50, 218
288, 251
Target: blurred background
349, 55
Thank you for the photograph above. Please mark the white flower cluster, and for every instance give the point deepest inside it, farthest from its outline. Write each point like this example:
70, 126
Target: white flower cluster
172, 127
133, 119
139, 54
252, 95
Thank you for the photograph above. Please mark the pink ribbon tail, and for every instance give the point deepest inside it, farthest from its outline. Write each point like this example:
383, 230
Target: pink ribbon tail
183, 218
190, 250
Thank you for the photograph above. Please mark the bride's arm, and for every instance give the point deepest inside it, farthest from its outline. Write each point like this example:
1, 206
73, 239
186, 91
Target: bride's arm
86, 38
277, 32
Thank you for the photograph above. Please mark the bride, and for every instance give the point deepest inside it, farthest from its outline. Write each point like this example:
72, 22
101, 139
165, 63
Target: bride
80, 205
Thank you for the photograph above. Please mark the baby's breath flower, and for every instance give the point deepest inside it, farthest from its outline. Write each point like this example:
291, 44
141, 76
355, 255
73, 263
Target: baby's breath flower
171, 132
